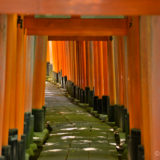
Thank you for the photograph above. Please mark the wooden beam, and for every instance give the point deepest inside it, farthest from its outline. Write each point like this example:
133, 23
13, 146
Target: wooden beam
75, 26
77, 38
79, 7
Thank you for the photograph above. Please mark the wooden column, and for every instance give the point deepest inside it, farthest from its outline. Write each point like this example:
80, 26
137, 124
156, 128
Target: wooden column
76, 63
20, 81
3, 44
80, 64
91, 65
111, 68
39, 71
30, 55
121, 75
88, 63
51, 53
100, 69
105, 69
96, 87
134, 85
84, 64
150, 78
9, 109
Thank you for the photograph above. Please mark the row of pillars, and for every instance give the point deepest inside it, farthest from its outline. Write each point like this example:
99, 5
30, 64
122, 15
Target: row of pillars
22, 85
118, 77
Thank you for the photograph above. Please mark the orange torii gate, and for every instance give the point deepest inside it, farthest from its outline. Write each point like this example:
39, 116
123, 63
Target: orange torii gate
120, 70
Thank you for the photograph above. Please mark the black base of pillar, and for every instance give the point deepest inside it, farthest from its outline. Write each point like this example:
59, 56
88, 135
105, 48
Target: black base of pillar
140, 152
55, 77
6, 152
79, 93
47, 72
44, 109
106, 103
99, 106
23, 138
59, 77
13, 142
133, 143
2, 158
82, 96
62, 85
91, 98
21, 150
38, 119
64, 79
123, 112
76, 92
111, 111
72, 89
95, 103
127, 124
50, 70
87, 90
29, 122
69, 87
116, 115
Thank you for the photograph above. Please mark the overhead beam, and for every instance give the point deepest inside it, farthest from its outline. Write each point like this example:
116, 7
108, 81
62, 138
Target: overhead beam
77, 38
75, 26
79, 7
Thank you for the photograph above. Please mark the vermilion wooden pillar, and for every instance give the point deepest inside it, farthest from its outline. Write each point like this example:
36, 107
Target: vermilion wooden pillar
96, 80
43, 81
51, 53
100, 69
112, 92
71, 62
13, 71
59, 54
68, 61
80, 64
146, 71
134, 85
30, 56
116, 68
91, 73
76, 63
54, 53
84, 64
150, 77
119, 68
48, 55
63, 58
39, 71
87, 63
91, 65
20, 81
155, 92
121, 75
9, 110
105, 69
3, 44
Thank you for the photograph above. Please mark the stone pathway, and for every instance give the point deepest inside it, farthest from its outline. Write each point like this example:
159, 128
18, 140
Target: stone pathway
76, 135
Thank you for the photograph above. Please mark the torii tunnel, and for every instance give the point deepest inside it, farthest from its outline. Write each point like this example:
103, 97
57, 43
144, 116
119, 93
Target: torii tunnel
79, 80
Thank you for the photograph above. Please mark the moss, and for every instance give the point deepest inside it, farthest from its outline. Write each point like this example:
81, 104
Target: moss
40, 137
26, 156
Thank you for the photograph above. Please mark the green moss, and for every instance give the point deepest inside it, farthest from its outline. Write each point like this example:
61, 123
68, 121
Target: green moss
40, 137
